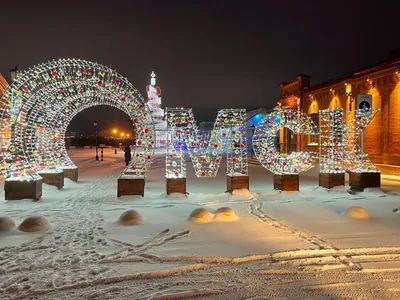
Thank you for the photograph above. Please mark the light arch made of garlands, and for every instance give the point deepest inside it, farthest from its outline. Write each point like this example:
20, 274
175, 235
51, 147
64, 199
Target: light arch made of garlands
37, 107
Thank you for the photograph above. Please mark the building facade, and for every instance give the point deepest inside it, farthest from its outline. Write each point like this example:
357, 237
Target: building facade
3, 85
382, 136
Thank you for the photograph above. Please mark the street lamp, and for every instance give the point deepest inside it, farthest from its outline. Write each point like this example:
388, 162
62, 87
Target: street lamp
127, 136
122, 136
115, 141
95, 127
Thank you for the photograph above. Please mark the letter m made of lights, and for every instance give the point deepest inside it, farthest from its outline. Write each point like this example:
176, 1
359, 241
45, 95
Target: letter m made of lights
228, 136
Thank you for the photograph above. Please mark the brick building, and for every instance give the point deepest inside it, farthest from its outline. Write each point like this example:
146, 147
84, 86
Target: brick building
382, 136
3, 85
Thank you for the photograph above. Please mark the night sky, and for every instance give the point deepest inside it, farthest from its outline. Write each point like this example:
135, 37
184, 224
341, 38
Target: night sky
207, 55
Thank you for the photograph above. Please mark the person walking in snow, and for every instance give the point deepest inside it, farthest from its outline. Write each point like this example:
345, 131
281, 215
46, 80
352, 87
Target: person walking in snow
128, 155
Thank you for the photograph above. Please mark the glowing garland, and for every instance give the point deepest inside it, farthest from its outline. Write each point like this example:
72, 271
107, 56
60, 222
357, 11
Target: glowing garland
38, 106
228, 135
264, 142
331, 145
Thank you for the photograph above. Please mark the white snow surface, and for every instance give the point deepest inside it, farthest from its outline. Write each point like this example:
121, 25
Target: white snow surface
284, 245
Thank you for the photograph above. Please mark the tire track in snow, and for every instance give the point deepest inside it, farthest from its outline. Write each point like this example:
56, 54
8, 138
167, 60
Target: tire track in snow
256, 210
240, 281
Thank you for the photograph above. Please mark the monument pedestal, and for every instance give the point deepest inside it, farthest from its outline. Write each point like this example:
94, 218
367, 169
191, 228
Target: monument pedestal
176, 185
330, 180
236, 183
360, 181
23, 189
71, 174
56, 179
129, 185
286, 182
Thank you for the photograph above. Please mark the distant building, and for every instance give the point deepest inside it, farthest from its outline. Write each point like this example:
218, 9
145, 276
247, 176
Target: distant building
71, 134
14, 73
381, 80
6, 134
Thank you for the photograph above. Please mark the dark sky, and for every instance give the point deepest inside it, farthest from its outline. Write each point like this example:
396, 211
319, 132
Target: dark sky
207, 55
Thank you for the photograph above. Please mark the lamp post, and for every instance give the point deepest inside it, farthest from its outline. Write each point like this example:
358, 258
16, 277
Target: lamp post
122, 137
115, 141
128, 136
95, 127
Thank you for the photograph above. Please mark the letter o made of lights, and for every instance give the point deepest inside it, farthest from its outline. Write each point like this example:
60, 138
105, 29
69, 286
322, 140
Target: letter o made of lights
37, 107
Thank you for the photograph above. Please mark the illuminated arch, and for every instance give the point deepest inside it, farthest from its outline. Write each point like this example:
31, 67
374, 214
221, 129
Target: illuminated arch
38, 106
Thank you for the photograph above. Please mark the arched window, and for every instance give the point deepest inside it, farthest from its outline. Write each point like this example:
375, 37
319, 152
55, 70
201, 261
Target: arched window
335, 103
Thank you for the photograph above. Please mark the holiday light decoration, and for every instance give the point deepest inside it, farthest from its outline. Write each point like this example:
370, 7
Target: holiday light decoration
38, 106
156, 112
265, 135
355, 159
154, 99
228, 135
331, 145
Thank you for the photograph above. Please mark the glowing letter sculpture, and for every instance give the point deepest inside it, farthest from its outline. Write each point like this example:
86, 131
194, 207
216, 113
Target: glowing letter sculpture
37, 108
228, 135
363, 173
331, 148
285, 168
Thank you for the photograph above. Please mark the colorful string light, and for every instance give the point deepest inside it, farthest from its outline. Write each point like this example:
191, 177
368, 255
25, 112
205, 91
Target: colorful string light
265, 135
331, 145
38, 106
228, 136
355, 159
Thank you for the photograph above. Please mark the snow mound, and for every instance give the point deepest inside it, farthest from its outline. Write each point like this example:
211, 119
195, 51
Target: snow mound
357, 212
34, 224
201, 216
130, 217
225, 214
243, 193
6, 223
177, 196
374, 192
340, 189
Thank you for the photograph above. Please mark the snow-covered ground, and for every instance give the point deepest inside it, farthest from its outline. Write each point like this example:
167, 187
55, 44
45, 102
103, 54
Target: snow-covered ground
293, 245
